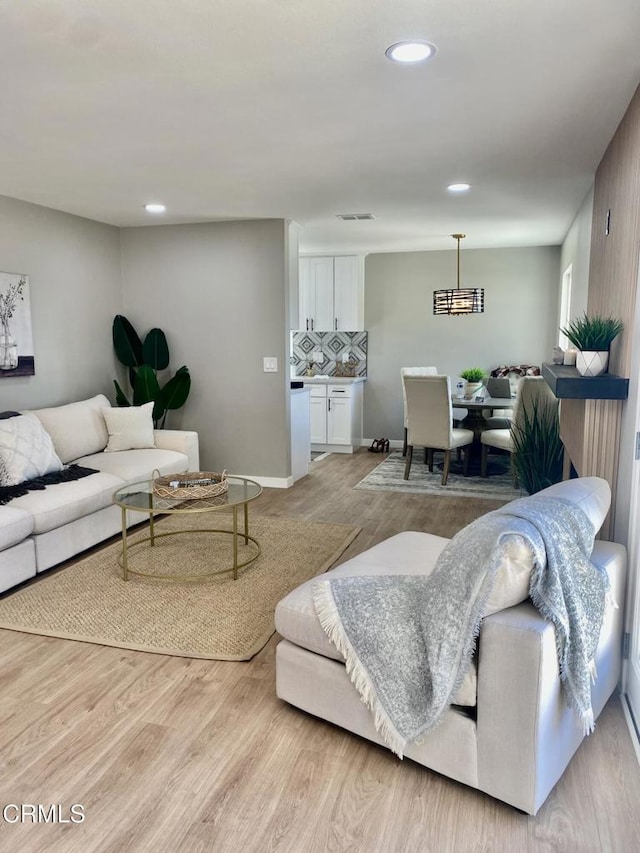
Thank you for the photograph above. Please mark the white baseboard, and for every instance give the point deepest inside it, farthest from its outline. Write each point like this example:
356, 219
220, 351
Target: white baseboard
270, 482
334, 448
633, 732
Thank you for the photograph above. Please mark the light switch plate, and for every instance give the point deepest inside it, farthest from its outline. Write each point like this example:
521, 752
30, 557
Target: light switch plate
270, 364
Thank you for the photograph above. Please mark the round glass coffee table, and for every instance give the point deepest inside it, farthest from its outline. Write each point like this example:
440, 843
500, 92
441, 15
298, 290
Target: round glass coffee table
139, 497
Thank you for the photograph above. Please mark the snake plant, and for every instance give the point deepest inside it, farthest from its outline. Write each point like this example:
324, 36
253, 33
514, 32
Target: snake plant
592, 333
537, 448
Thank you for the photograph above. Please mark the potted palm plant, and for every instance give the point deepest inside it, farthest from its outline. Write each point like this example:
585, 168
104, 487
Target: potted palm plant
592, 337
473, 377
144, 361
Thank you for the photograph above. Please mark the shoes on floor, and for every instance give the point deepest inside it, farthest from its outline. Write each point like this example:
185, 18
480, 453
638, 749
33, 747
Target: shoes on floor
379, 445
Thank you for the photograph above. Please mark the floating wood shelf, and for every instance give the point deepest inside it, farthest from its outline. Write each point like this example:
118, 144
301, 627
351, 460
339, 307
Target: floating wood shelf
567, 383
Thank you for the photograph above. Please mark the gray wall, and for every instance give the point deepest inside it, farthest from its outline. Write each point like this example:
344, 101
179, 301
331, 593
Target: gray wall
518, 326
74, 277
220, 292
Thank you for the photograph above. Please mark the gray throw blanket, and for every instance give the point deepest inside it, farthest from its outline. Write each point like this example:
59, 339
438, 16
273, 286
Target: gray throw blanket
408, 640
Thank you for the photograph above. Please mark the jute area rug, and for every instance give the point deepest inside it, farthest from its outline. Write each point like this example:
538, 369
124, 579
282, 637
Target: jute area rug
217, 619
388, 477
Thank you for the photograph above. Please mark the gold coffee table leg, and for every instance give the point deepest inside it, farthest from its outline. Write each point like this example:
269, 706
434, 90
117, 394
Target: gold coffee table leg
235, 543
246, 524
125, 561
152, 532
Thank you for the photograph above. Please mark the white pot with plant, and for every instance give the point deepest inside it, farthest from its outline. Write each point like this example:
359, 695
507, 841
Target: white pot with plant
592, 337
474, 378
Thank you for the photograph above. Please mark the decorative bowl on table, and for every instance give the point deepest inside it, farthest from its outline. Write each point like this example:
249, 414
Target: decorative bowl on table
190, 485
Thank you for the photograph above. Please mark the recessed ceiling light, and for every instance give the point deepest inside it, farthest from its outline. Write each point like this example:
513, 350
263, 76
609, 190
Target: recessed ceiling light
410, 51
155, 208
458, 188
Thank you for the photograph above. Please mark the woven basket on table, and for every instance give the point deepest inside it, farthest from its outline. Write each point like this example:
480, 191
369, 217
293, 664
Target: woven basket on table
162, 489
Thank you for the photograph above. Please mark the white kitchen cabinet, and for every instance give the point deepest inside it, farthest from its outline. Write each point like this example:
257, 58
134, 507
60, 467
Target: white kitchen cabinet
331, 296
316, 294
318, 413
338, 420
336, 416
348, 293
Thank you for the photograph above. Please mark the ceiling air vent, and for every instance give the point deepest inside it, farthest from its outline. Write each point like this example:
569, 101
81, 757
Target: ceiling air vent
352, 217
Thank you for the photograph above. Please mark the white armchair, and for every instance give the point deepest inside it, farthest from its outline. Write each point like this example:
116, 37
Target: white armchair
512, 735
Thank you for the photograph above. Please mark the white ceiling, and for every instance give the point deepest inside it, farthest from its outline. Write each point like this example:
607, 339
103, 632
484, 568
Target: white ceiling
232, 109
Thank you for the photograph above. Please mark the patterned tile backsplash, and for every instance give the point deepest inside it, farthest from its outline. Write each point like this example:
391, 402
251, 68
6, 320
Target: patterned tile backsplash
331, 347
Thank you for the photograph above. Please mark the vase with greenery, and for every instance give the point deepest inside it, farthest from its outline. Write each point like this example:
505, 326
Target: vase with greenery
592, 337
474, 377
8, 304
145, 360
537, 448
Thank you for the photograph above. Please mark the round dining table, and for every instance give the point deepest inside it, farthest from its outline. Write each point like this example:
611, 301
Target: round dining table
476, 406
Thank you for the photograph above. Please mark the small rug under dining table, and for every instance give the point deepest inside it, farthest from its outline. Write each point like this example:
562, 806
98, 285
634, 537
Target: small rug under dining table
388, 476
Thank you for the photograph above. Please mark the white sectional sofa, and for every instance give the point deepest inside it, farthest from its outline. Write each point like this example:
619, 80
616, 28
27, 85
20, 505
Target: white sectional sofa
43, 528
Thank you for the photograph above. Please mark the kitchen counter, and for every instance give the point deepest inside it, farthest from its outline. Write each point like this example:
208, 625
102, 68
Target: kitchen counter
331, 380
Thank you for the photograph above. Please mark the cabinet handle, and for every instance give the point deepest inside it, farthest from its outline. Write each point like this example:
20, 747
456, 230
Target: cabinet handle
312, 324
335, 324
338, 391
329, 402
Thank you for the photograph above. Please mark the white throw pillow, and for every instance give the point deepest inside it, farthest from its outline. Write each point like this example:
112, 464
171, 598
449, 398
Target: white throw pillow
129, 427
76, 429
511, 583
26, 449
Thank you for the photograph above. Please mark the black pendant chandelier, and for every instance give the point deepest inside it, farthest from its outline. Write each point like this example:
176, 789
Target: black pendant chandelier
462, 300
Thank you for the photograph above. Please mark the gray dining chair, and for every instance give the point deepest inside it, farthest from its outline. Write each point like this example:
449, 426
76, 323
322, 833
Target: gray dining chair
532, 392
429, 422
499, 386
412, 371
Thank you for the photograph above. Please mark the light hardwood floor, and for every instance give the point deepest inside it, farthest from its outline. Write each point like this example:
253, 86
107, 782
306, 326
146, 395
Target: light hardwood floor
169, 754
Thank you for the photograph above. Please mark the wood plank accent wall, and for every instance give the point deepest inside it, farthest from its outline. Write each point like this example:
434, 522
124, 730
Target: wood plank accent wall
590, 429
613, 270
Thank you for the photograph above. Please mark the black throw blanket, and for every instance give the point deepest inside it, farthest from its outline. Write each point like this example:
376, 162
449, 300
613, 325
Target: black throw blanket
69, 473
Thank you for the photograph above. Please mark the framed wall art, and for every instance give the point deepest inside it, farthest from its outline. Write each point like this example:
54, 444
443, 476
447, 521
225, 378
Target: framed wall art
16, 337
